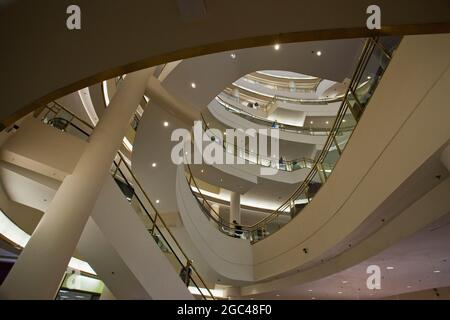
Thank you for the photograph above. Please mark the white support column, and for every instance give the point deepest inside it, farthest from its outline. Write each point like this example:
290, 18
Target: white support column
235, 207
41, 265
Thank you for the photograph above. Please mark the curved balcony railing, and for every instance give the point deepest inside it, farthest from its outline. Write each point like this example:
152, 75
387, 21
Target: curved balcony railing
372, 63
306, 130
371, 66
244, 232
156, 226
256, 158
59, 117
286, 99
305, 85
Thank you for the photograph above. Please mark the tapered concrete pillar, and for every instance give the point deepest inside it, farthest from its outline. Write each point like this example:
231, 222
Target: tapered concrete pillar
41, 265
235, 207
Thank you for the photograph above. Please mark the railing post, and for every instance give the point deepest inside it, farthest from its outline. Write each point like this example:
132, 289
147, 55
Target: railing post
337, 146
320, 172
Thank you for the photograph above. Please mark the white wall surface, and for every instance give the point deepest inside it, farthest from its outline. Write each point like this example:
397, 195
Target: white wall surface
231, 257
127, 235
43, 149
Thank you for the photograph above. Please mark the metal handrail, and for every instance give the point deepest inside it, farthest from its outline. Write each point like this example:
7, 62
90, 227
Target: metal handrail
365, 56
287, 163
55, 109
204, 202
74, 115
356, 110
283, 84
282, 126
320, 101
158, 216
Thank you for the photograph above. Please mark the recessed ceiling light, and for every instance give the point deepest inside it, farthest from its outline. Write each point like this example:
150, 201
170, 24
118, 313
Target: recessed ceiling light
193, 85
344, 282
436, 271
310, 290
327, 122
313, 298
369, 77
409, 287
278, 295
319, 53
166, 124
343, 120
390, 268
276, 46
311, 122
252, 298
157, 201
154, 164
339, 292
233, 56
202, 171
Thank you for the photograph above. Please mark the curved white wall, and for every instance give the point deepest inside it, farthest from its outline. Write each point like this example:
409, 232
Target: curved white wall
231, 257
378, 158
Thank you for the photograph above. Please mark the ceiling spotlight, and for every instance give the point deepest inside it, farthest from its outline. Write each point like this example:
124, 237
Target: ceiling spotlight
166, 124
233, 56
310, 290
278, 295
313, 298
276, 46
344, 282
339, 292
202, 171
157, 201
436, 271
319, 53
409, 287
369, 77
390, 268
327, 122
154, 164
344, 121
193, 85
311, 122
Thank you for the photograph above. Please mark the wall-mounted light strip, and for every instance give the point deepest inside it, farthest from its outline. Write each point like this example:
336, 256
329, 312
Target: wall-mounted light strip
19, 237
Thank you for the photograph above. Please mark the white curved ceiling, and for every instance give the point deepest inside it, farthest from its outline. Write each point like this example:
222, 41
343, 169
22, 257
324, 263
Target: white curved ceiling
212, 73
